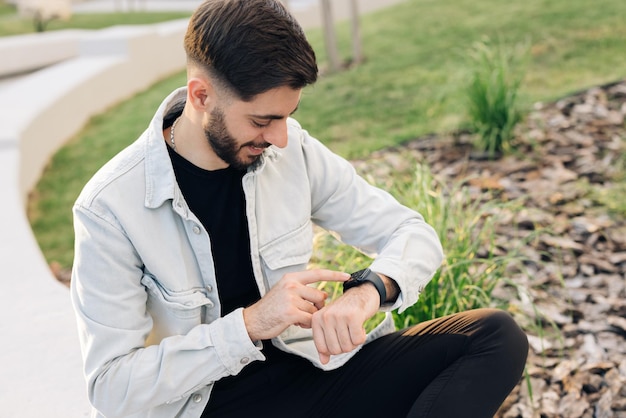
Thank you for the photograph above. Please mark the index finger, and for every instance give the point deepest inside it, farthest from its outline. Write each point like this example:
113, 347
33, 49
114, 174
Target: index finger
320, 275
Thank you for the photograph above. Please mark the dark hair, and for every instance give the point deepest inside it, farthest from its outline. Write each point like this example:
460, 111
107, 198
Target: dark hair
250, 45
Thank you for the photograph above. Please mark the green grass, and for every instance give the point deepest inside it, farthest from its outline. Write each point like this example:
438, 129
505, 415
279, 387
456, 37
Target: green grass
12, 24
413, 82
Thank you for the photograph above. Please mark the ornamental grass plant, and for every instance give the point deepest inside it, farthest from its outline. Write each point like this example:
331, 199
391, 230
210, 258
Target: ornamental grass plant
492, 94
474, 265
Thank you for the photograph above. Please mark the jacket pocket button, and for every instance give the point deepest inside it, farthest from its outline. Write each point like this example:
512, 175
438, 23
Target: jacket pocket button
197, 398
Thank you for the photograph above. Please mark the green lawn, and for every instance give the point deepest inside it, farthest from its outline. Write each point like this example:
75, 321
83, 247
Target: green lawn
6, 9
412, 83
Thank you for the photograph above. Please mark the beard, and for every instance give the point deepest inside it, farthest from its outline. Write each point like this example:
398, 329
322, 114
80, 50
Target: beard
225, 146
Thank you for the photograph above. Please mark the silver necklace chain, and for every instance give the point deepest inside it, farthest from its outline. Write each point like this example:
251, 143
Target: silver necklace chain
172, 133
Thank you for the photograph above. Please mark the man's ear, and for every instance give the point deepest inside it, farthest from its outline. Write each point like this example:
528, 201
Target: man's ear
200, 93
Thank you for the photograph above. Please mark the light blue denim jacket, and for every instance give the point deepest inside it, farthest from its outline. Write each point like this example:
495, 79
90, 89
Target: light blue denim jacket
143, 283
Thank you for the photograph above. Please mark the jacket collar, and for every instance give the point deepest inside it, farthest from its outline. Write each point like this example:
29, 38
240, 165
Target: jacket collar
160, 178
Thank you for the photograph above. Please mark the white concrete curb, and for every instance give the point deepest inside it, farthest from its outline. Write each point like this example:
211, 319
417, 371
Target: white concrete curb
30, 52
39, 354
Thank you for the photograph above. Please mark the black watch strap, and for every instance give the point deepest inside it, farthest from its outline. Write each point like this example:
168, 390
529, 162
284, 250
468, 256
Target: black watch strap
364, 276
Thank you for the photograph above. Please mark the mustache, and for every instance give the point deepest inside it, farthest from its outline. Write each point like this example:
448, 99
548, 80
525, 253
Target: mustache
261, 145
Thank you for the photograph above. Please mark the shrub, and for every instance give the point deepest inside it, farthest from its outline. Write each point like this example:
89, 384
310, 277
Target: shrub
492, 94
474, 265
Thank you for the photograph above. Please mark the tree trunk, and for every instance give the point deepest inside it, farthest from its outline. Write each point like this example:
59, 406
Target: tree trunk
357, 50
40, 22
329, 36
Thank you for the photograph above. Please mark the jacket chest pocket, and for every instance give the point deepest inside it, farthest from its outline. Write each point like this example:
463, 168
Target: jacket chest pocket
173, 312
287, 253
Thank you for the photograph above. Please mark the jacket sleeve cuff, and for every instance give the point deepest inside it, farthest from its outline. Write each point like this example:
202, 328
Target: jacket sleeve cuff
232, 343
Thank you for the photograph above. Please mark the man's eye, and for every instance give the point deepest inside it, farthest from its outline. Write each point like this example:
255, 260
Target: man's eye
260, 125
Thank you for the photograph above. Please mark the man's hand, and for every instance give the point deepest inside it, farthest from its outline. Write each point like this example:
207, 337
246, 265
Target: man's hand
289, 302
338, 327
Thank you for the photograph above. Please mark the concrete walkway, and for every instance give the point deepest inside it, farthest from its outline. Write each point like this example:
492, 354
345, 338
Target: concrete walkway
40, 362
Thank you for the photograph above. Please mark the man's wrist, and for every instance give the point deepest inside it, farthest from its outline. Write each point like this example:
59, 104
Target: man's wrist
366, 276
367, 297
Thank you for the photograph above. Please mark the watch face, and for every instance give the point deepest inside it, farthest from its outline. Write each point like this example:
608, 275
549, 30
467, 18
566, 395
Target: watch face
358, 275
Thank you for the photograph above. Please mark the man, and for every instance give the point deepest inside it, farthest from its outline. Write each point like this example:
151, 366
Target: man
190, 280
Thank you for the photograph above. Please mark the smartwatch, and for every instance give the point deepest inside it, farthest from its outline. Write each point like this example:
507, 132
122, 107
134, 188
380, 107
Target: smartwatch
367, 276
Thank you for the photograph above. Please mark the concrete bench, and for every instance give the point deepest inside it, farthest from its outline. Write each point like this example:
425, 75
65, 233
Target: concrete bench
26, 53
39, 354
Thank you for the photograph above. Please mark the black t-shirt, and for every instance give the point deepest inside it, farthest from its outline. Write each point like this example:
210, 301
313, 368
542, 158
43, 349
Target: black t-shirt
218, 201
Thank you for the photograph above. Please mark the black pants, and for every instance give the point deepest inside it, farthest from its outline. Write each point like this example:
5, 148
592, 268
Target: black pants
462, 365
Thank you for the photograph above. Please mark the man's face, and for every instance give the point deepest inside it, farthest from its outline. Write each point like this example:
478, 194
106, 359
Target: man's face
239, 131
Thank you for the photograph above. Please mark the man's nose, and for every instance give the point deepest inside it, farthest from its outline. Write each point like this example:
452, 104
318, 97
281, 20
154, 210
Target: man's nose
276, 134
